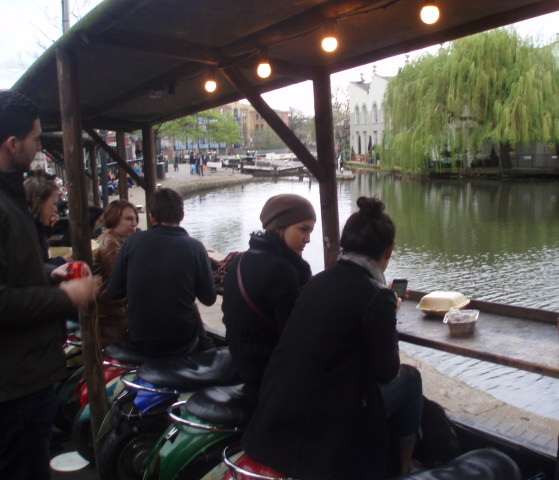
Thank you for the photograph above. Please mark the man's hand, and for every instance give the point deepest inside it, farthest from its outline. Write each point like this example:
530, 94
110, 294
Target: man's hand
82, 290
61, 273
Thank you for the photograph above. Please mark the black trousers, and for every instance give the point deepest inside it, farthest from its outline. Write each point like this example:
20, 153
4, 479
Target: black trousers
25, 432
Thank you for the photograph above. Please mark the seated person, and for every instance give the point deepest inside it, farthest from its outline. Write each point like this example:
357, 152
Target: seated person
335, 376
120, 220
161, 271
272, 273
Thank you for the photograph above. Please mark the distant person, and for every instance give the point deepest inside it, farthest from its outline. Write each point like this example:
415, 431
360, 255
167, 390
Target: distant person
200, 164
335, 376
120, 220
176, 162
31, 306
162, 271
262, 286
192, 162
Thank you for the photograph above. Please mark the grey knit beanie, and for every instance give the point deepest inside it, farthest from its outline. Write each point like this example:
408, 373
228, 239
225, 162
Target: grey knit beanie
285, 209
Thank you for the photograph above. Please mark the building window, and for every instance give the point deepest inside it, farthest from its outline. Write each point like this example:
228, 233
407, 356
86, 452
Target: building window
359, 144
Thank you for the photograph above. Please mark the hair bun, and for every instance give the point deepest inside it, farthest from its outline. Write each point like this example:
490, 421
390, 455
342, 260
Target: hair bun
370, 206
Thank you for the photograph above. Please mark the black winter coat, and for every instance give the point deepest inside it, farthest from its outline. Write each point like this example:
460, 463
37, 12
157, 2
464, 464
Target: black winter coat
273, 276
320, 413
31, 356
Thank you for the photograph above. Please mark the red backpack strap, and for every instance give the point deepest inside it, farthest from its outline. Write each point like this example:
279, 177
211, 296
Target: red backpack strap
249, 301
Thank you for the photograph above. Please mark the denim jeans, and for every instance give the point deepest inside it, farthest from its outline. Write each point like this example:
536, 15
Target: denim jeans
403, 403
25, 432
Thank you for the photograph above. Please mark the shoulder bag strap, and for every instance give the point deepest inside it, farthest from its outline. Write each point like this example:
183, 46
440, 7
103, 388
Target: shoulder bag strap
249, 301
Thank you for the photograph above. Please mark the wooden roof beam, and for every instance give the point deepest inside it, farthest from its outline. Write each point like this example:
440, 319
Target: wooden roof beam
300, 25
276, 123
164, 79
164, 47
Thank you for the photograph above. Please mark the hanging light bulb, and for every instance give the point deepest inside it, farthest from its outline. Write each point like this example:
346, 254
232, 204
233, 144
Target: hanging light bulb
264, 69
329, 41
429, 13
211, 83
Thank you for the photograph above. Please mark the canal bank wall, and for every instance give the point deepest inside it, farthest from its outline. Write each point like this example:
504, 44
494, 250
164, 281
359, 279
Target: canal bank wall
497, 173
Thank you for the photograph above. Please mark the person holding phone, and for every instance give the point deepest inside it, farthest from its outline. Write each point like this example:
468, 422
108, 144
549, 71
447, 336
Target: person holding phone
334, 383
400, 287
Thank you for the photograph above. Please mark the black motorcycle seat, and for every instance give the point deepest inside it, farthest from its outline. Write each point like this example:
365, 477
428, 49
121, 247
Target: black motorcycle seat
485, 463
73, 326
123, 352
191, 372
223, 405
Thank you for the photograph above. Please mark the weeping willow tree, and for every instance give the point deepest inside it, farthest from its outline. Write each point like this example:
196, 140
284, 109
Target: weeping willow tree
492, 87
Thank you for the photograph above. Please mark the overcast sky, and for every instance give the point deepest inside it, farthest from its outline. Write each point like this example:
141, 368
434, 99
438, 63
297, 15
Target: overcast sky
27, 27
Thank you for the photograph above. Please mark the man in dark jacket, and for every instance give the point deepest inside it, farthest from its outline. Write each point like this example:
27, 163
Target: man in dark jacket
31, 307
162, 271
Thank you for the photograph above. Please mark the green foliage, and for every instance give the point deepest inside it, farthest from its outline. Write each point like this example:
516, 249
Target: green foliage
210, 124
224, 129
267, 139
491, 87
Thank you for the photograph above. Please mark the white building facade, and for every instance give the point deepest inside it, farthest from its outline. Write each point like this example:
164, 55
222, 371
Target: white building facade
366, 124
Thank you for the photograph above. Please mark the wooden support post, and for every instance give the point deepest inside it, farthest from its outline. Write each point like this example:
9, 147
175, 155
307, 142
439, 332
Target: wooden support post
114, 155
122, 177
148, 149
325, 168
66, 65
92, 151
326, 154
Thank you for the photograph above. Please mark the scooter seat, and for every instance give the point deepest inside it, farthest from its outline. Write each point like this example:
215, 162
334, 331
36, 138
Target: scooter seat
485, 463
191, 372
123, 352
221, 405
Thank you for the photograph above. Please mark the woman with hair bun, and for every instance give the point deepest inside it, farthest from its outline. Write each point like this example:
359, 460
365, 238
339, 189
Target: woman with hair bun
334, 382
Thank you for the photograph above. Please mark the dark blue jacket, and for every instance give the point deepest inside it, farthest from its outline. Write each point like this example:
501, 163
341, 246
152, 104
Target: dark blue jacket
162, 271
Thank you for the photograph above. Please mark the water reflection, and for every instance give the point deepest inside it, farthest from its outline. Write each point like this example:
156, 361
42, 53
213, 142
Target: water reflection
490, 240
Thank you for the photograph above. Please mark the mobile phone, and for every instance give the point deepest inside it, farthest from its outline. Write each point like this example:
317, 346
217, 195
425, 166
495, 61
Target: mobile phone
400, 286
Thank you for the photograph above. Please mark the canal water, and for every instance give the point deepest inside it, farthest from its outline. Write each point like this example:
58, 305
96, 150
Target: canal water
491, 240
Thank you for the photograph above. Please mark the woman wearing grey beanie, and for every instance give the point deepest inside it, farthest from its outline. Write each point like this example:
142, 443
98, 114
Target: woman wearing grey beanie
263, 283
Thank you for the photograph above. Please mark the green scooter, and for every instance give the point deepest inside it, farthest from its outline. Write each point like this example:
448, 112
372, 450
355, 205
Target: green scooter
203, 425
